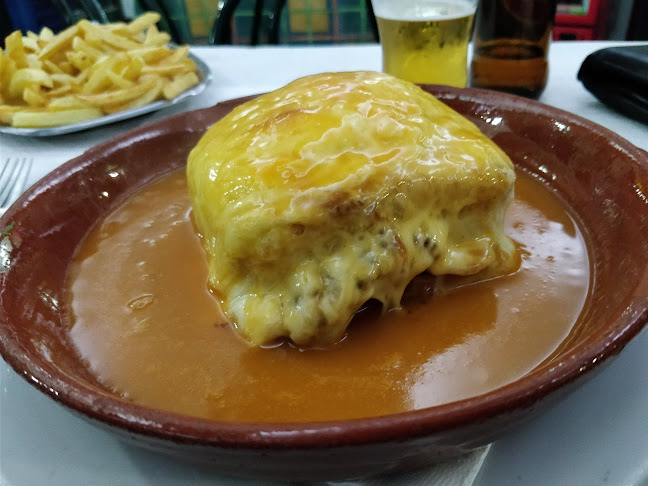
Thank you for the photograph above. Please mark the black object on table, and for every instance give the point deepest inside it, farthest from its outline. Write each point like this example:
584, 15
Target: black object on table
618, 77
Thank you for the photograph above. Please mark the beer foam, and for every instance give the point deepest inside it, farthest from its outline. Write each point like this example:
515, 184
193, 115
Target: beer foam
417, 10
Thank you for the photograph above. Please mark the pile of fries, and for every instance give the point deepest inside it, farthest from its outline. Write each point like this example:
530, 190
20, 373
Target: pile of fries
88, 71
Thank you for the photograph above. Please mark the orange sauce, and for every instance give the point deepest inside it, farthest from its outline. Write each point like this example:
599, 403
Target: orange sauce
143, 318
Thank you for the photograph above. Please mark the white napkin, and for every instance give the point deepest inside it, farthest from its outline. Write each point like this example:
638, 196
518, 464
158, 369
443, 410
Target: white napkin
460, 471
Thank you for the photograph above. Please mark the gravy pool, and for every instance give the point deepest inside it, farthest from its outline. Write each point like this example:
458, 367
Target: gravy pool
142, 317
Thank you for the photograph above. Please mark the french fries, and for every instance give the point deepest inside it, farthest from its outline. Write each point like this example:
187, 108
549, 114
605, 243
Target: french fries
88, 70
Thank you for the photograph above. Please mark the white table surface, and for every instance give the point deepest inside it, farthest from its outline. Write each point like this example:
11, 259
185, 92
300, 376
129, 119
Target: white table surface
598, 435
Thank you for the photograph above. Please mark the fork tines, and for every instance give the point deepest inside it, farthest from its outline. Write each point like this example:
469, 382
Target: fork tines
13, 176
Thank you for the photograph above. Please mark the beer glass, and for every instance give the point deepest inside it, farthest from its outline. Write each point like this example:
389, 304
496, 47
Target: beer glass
426, 41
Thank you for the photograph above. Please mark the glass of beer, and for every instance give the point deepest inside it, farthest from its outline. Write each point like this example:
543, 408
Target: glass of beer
426, 41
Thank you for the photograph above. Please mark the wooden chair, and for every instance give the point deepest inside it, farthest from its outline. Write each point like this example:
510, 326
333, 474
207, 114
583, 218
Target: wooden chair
264, 27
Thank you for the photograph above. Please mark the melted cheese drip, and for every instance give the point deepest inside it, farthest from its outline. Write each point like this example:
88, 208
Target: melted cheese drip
339, 188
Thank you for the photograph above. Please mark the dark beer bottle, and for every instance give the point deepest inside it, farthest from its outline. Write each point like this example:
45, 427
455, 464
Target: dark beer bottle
511, 44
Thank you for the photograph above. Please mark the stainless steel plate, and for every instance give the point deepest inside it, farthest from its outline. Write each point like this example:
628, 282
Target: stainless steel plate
204, 74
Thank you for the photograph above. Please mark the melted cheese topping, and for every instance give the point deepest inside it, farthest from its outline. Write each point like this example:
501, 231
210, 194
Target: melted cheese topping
339, 188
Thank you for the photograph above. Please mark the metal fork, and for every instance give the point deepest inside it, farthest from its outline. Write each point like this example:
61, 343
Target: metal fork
13, 176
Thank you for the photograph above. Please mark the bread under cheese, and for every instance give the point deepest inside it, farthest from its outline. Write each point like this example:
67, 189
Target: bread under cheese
338, 188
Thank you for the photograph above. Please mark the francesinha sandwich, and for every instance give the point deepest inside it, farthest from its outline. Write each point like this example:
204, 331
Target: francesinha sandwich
339, 188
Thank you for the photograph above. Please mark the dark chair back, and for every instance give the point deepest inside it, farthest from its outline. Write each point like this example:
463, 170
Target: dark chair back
165, 23
638, 28
266, 22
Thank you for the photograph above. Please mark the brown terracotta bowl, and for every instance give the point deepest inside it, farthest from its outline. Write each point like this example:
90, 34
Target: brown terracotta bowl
601, 177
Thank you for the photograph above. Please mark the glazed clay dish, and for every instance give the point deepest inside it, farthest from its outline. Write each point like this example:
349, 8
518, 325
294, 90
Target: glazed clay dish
599, 178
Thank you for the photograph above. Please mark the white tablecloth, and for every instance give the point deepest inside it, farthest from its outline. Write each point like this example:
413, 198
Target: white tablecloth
598, 435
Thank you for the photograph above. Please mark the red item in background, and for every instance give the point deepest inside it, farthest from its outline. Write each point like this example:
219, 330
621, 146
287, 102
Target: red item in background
590, 26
